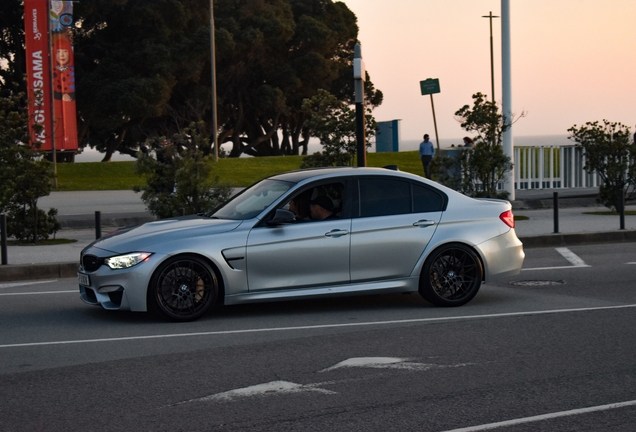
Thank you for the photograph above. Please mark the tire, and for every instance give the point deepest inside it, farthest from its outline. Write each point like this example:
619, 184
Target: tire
183, 289
451, 276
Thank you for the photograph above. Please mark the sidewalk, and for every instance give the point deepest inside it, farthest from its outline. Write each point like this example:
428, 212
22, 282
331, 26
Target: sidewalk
122, 208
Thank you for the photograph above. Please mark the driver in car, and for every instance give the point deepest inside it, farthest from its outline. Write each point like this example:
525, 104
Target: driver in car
321, 208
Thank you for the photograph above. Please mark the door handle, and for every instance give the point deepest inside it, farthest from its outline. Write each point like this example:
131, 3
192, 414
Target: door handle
424, 223
337, 233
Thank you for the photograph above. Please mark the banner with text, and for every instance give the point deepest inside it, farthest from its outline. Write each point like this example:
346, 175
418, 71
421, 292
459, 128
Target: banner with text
38, 72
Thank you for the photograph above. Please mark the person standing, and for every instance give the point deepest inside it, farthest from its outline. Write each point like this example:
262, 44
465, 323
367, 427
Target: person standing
427, 151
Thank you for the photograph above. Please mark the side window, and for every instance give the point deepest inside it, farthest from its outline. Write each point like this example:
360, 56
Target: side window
328, 196
426, 200
383, 197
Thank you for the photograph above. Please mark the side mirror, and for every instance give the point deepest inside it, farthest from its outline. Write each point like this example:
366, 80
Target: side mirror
281, 217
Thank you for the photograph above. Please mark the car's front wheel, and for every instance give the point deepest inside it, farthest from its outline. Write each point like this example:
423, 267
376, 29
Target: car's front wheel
451, 276
183, 288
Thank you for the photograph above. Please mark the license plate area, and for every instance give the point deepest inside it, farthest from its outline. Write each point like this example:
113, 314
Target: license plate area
83, 279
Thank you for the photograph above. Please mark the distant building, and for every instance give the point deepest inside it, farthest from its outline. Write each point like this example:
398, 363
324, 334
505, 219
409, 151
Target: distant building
387, 138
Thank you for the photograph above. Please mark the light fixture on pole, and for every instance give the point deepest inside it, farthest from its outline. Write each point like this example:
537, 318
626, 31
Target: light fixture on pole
492, 63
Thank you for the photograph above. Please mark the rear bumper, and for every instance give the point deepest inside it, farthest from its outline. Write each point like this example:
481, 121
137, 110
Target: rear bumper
503, 256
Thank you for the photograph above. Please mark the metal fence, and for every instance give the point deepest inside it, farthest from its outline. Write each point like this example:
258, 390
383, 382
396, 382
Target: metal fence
551, 168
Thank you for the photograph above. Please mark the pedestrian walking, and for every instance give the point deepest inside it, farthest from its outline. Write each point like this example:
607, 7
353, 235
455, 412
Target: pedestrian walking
427, 151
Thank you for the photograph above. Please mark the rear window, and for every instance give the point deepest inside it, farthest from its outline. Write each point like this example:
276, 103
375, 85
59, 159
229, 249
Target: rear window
384, 197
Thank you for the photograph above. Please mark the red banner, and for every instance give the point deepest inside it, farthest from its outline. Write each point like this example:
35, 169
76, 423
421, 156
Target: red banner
38, 72
63, 60
51, 92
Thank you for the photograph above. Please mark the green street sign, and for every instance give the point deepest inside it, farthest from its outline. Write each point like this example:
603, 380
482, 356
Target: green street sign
429, 86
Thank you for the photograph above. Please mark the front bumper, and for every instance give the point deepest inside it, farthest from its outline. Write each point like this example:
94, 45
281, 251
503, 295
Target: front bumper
123, 289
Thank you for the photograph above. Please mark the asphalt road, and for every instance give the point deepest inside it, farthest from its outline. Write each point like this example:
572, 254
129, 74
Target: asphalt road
549, 350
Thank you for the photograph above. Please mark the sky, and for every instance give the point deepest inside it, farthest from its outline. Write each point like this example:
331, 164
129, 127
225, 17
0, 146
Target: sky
572, 61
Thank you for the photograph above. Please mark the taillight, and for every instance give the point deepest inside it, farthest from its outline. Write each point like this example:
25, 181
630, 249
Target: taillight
508, 218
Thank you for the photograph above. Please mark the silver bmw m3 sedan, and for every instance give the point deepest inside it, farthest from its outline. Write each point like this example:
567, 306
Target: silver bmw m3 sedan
303, 234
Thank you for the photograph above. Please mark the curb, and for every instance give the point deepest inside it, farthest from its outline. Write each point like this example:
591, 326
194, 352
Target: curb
88, 222
18, 272
578, 239
564, 202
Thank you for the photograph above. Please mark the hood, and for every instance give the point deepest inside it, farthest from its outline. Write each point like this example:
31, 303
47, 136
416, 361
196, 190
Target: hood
145, 237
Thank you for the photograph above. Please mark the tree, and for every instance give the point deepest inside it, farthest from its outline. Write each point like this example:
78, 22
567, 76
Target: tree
610, 152
135, 62
143, 70
25, 175
12, 53
334, 123
483, 167
179, 176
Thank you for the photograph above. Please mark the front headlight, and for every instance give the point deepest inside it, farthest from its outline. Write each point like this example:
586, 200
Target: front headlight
127, 260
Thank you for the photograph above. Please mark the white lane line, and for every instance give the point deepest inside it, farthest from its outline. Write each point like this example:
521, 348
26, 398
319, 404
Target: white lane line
543, 417
568, 255
38, 293
17, 284
572, 257
314, 327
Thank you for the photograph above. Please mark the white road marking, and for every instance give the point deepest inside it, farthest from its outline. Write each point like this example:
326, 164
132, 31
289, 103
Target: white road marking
543, 417
314, 327
38, 293
17, 284
387, 363
572, 257
270, 388
275, 388
568, 255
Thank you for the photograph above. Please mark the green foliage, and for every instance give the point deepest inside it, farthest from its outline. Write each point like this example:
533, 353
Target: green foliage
610, 151
25, 175
179, 176
25, 222
484, 166
334, 123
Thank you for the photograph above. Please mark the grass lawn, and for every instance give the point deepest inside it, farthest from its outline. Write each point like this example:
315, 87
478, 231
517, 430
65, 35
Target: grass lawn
236, 172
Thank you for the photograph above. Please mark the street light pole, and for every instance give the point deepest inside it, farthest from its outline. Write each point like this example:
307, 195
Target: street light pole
215, 128
492, 63
359, 75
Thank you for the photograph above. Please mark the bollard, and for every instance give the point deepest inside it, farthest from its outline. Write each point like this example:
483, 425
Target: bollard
98, 225
182, 212
3, 238
621, 207
555, 199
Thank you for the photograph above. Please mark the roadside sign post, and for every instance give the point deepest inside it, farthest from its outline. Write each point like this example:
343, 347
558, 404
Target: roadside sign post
428, 87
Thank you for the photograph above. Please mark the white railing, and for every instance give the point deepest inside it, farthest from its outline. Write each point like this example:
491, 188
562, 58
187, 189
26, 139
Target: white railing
552, 167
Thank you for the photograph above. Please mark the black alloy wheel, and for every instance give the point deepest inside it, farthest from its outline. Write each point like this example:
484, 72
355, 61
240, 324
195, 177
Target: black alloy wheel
451, 276
183, 288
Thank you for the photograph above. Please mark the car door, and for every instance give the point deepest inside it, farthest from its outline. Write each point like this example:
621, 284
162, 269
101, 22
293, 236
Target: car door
300, 255
395, 221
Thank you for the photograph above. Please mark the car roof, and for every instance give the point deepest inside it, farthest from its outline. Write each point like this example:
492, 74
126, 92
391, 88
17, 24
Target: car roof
313, 173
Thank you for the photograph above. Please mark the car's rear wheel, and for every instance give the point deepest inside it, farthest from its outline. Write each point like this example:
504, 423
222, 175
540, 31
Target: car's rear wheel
451, 276
183, 288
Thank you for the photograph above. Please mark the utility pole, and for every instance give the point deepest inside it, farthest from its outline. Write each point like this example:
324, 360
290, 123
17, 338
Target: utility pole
492, 63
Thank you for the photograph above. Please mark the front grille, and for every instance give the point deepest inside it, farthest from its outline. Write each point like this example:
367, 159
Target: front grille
91, 263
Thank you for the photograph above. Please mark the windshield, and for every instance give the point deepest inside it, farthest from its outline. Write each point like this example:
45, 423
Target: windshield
252, 201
